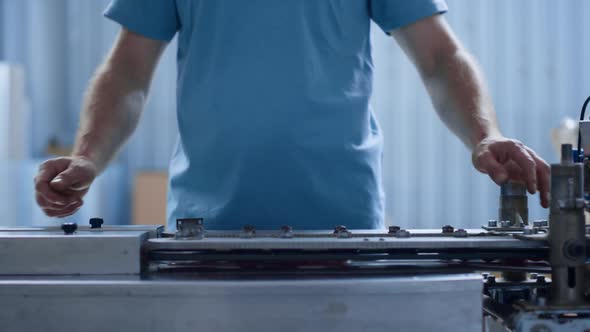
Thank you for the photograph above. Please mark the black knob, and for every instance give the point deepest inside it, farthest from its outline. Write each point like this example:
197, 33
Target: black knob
394, 229
69, 227
448, 229
574, 249
96, 222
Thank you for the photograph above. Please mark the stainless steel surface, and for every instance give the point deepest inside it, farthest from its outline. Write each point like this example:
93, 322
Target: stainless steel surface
567, 238
416, 303
85, 252
152, 230
359, 240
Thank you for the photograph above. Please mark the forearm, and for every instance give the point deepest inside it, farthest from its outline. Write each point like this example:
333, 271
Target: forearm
110, 113
460, 97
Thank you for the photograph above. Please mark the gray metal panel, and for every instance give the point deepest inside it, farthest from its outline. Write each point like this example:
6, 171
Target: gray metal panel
153, 230
326, 243
26, 253
451, 303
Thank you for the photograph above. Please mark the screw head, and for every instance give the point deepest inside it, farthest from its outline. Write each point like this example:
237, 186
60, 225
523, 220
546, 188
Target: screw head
402, 233
534, 276
69, 228
394, 229
286, 232
541, 279
446, 229
339, 228
248, 231
460, 233
342, 232
528, 230
96, 223
491, 279
492, 223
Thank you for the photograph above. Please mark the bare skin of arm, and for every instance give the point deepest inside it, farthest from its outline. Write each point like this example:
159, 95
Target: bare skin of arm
458, 92
111, 110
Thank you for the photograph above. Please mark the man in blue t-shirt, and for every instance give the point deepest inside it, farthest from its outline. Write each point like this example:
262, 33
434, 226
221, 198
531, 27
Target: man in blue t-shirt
274, 120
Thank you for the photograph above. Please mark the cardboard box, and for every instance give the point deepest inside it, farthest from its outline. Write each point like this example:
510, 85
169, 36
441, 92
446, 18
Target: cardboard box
149, 198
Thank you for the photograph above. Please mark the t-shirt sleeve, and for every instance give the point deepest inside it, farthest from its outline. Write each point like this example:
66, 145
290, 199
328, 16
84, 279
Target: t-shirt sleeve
392, 14
155, 19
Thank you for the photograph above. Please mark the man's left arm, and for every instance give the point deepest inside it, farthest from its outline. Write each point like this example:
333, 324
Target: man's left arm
459, 95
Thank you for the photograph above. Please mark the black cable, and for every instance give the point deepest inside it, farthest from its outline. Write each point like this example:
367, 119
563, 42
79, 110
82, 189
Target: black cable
582, 115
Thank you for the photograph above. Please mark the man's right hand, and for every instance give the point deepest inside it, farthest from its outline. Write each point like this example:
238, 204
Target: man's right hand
61, 184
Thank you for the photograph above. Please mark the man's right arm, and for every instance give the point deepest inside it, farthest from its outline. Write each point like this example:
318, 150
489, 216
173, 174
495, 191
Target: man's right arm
111, 110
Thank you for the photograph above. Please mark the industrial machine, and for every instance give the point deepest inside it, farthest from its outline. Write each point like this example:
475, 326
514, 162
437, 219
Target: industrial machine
511, 275
140, 278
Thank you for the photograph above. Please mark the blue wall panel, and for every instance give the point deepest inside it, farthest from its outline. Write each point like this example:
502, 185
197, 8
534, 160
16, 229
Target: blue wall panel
532, 53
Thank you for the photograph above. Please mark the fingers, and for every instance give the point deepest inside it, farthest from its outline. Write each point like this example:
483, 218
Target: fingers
521, 156
506, 159
61, 183
77, 177
514, 171
68, 211
487, 163
47, 171
47, 205
543, 177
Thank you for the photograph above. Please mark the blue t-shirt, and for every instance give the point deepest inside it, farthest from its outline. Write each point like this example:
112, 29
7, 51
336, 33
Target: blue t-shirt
275, 126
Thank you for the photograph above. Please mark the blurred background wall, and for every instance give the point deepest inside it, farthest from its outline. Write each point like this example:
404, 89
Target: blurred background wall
533, 53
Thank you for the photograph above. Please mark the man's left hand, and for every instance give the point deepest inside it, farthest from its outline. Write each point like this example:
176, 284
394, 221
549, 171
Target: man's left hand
505, 159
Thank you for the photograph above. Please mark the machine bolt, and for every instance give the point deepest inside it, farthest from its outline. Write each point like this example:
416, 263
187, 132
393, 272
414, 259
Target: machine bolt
492, 223
574, 249
491, 279
540, 223
69, 228
342, 232
96, 223
528, 230
541, 279
505, 223
286, 232
394, 229
460, 233
446, 229
339, 229
402, 233
248, 231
